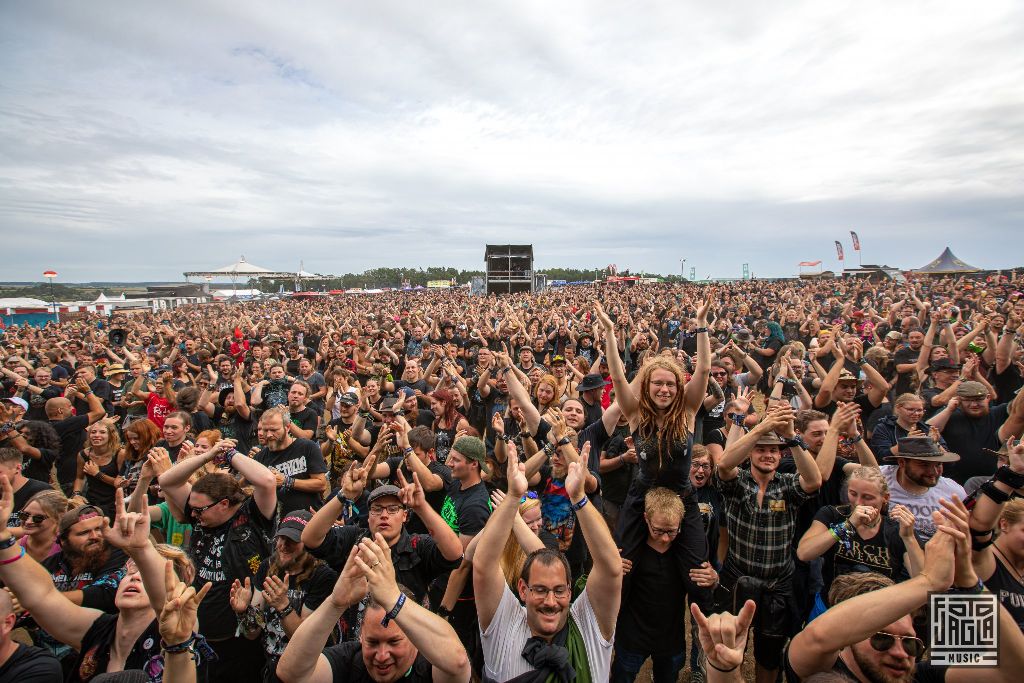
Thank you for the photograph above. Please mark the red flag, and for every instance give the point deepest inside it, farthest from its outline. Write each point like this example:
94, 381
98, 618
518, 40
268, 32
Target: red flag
839, 250
810, 263
856, 241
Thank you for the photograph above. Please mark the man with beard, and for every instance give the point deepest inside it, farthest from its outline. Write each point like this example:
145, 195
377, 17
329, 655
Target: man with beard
231, 414
39, 392
303, 421
551, 635
315, 384
868, 635
24, 488
398, 641
341, 447
230, 536
916, 480
99, 387
86, 570
272, 392
294, 584
970, 425
761, 507
298, 464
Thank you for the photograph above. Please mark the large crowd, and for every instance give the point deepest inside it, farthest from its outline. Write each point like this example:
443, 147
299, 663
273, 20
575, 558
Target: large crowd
562, 486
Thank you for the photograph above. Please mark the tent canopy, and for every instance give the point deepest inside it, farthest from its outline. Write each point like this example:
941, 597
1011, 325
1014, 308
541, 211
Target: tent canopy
945, 264
240, 268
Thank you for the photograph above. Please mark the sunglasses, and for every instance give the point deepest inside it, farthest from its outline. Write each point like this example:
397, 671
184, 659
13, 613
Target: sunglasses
200, 510
35, 519
883, 642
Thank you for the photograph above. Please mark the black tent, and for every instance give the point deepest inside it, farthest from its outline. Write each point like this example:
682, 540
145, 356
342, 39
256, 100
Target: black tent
946, 264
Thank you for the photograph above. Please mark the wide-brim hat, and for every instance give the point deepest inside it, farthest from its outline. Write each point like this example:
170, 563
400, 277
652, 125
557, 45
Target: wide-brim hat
226, 391
771, 439
943, 364
921, 448
272, 339
743, 336
114, 369
591, 381
847, 376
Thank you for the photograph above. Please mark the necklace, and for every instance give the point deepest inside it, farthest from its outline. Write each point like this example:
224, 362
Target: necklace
1009, 565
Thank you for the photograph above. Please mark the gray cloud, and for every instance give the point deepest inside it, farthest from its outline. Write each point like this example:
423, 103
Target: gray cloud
139, 140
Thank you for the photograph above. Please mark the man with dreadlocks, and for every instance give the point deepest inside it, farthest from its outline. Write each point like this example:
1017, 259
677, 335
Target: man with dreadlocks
661, 412
293, 583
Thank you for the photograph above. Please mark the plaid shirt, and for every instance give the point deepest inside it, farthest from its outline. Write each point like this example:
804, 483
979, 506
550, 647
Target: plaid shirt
761, 538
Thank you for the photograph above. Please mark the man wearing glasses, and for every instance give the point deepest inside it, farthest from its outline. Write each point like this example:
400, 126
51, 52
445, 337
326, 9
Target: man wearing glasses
970, 424
23, 487
551, 634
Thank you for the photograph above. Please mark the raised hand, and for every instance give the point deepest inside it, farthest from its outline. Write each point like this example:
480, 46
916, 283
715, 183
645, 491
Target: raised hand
515, 472
723, 637
177, 619
575, 480
905, 518
241, 596
374, 559
411, 494
130, 530
275, 593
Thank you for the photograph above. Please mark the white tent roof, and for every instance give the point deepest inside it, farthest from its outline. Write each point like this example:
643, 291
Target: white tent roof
23, 302
101, 298
242, 266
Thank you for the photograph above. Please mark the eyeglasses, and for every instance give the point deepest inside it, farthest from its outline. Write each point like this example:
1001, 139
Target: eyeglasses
35, 519
378, 510
912, 410
671, 533
883, 642
543, 591
719, 374
700, 466
200, 510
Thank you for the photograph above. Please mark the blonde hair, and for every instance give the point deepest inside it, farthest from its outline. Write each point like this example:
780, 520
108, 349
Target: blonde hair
663, 500
904, 399
183, 566
512, 556
1013, 512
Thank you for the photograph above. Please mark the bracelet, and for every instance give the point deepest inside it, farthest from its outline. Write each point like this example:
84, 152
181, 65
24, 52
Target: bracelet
394, 611
700, 329
725, 671
282, 613
505, 437
564, 441
8, 542
408, 451
185, 646
580, 505
853, 440
16, 557
990, 489
862, 360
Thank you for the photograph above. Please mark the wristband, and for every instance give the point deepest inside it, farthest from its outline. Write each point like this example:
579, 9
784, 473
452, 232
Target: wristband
281, 614
185, 646
394, 611
506, 438
976, 589
797, 441
862, 360
738, 419
564, 441
725, 671
979, 545
8, 542
580, 505
16, 557
700, 329
408, 451
1005, 475
990, 489
853, 440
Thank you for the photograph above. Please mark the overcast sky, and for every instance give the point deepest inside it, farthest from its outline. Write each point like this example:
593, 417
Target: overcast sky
142, 139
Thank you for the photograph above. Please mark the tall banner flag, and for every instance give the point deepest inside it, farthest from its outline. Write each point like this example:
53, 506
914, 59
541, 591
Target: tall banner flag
839, 250
856, 241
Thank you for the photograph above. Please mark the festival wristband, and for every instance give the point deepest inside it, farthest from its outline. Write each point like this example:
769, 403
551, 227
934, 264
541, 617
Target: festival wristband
1005, 475
394, 610
15, 558
580, 505
700, 329
8, 542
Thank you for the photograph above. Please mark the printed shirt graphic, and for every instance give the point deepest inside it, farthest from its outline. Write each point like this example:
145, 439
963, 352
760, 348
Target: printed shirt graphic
556, 508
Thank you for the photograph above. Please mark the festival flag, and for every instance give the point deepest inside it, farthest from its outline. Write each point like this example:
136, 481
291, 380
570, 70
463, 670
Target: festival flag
839, 250
856, 241
808, 264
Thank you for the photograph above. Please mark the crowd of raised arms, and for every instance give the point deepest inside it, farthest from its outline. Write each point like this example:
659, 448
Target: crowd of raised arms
557, 487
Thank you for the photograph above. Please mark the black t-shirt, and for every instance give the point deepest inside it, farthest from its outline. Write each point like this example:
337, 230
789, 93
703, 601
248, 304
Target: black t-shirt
172, 451
207, 548
309, 594
145, 655
712, 514
966, 436
275, 393
830, 493
104, 392
30, 488
347, 665
306, 419
37, 402
39, 468
466, 511
31, 665
234, 426
652, 619
71, 431
1006, 383
615, 483
882, 554
903, 356
300, 459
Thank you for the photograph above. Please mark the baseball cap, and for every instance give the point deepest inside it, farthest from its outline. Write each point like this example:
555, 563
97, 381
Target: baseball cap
558, 360
76, 515
18, 402
472, 448
348, 398
389, 405
972, 390
893, 334
406, 392
293, 523
383, 492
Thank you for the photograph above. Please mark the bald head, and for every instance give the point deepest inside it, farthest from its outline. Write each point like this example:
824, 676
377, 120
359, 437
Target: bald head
58, 406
